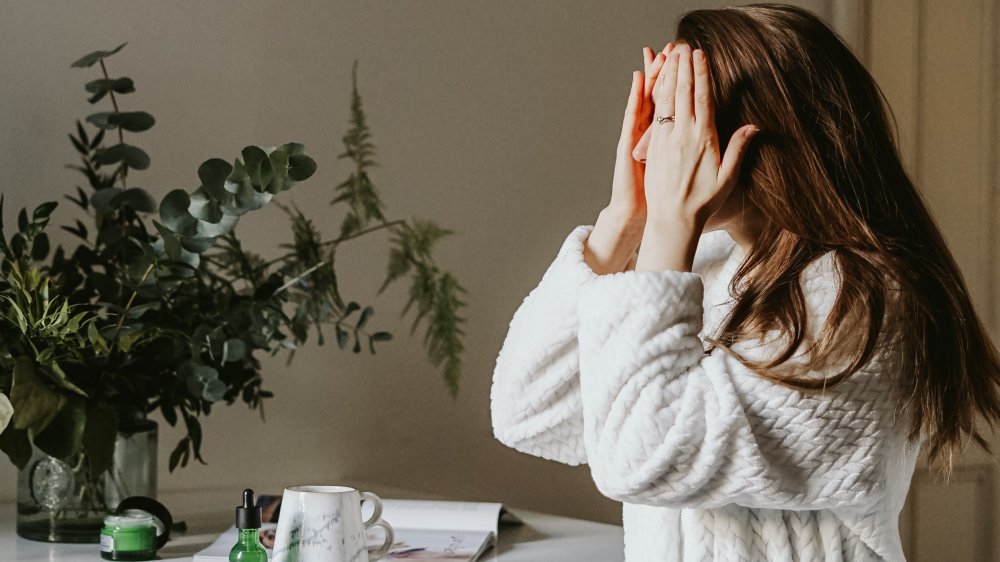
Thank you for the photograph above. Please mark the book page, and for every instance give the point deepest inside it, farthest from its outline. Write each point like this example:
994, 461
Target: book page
434, 546
435, 515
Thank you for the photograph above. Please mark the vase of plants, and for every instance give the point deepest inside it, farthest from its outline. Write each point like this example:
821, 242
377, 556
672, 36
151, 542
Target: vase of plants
161, 308
65, 499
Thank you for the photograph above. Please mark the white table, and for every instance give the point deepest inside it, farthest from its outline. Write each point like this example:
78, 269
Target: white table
542, 537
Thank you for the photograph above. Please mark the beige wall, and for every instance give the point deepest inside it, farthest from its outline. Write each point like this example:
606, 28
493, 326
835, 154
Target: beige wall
497, 119
937, 63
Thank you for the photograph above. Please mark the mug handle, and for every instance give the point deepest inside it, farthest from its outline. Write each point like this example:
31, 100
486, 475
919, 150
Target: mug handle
377, 503
390, 536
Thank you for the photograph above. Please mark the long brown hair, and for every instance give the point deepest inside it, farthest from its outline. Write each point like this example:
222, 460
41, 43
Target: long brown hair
826, 174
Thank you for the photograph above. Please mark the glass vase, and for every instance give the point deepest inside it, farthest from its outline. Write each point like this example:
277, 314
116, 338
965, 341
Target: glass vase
58, 500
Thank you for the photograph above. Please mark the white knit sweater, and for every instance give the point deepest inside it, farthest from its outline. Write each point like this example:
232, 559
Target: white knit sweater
711, 461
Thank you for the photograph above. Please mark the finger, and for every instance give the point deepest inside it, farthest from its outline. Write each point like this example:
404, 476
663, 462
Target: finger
729, 169
647, 58
683, 111
652, 72
629, 123
663, 92
704, 111
655, 79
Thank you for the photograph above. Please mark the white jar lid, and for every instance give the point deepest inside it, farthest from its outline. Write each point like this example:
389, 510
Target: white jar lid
131, 518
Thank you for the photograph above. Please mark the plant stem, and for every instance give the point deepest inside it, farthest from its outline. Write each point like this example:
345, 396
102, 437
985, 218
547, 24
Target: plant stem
360, 233
121, 136
299, 277
363, 232
128, 305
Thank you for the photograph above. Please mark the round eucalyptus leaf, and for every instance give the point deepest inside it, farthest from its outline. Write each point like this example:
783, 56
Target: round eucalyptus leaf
249, 199
123, 85
236, 350
279, 162
101, 119
103, 86
206, 229
236, 178
203, 208
258, 166
301, 167
292, 148
133, 121
104, 199
133, 156
213, 172
276, 185
214, 391
91, 58
174, 213
188, 262
197, 245
136, 198
168, 243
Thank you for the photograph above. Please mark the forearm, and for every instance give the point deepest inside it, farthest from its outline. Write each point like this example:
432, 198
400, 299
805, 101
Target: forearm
668, 244
613, 241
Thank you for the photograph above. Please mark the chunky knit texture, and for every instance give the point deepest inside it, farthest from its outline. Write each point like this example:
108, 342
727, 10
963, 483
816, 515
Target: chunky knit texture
710, 461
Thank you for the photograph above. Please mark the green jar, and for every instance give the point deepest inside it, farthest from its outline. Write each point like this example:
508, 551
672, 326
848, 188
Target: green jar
128, 536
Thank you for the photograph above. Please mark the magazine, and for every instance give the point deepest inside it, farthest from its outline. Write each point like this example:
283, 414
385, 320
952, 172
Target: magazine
428, 530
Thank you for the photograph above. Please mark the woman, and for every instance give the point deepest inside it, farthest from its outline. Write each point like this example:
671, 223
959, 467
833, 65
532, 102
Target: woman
753, 341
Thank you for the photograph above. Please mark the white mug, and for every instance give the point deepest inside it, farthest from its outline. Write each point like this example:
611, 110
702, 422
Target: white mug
323, 524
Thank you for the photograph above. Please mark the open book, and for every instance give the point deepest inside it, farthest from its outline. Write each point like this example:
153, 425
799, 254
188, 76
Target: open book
428, 530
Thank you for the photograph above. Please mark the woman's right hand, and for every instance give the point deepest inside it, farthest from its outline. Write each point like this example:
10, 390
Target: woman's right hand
627, 193
617, 232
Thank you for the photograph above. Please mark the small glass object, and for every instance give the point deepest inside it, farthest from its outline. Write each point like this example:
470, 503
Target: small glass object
128, 536
248, 547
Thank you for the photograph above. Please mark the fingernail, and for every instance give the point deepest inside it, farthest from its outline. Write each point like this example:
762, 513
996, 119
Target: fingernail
751, 131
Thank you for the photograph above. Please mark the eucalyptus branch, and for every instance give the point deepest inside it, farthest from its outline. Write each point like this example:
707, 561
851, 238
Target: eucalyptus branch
121, 135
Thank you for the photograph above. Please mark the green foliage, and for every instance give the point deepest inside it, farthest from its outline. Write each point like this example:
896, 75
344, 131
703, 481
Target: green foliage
357, 191
160, 307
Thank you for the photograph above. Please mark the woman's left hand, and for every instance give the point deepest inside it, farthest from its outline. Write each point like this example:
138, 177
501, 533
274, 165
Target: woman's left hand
686, 179
685, 175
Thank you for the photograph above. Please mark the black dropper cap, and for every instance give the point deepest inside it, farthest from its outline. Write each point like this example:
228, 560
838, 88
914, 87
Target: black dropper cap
248, 516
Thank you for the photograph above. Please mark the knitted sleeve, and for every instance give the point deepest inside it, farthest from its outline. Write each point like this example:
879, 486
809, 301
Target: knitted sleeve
535, 397
667, 425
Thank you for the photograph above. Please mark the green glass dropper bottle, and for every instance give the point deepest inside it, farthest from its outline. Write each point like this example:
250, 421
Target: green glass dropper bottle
248, 547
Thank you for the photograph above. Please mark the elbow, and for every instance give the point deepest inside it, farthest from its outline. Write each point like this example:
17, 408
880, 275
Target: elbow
560, 444
624, 482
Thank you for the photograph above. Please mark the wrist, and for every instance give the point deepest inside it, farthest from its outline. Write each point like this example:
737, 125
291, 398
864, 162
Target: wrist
669, 242
614, 239
677, 223
623, 218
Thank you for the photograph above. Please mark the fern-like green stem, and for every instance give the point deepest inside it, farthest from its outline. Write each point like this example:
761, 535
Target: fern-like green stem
358, 234
363, 232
